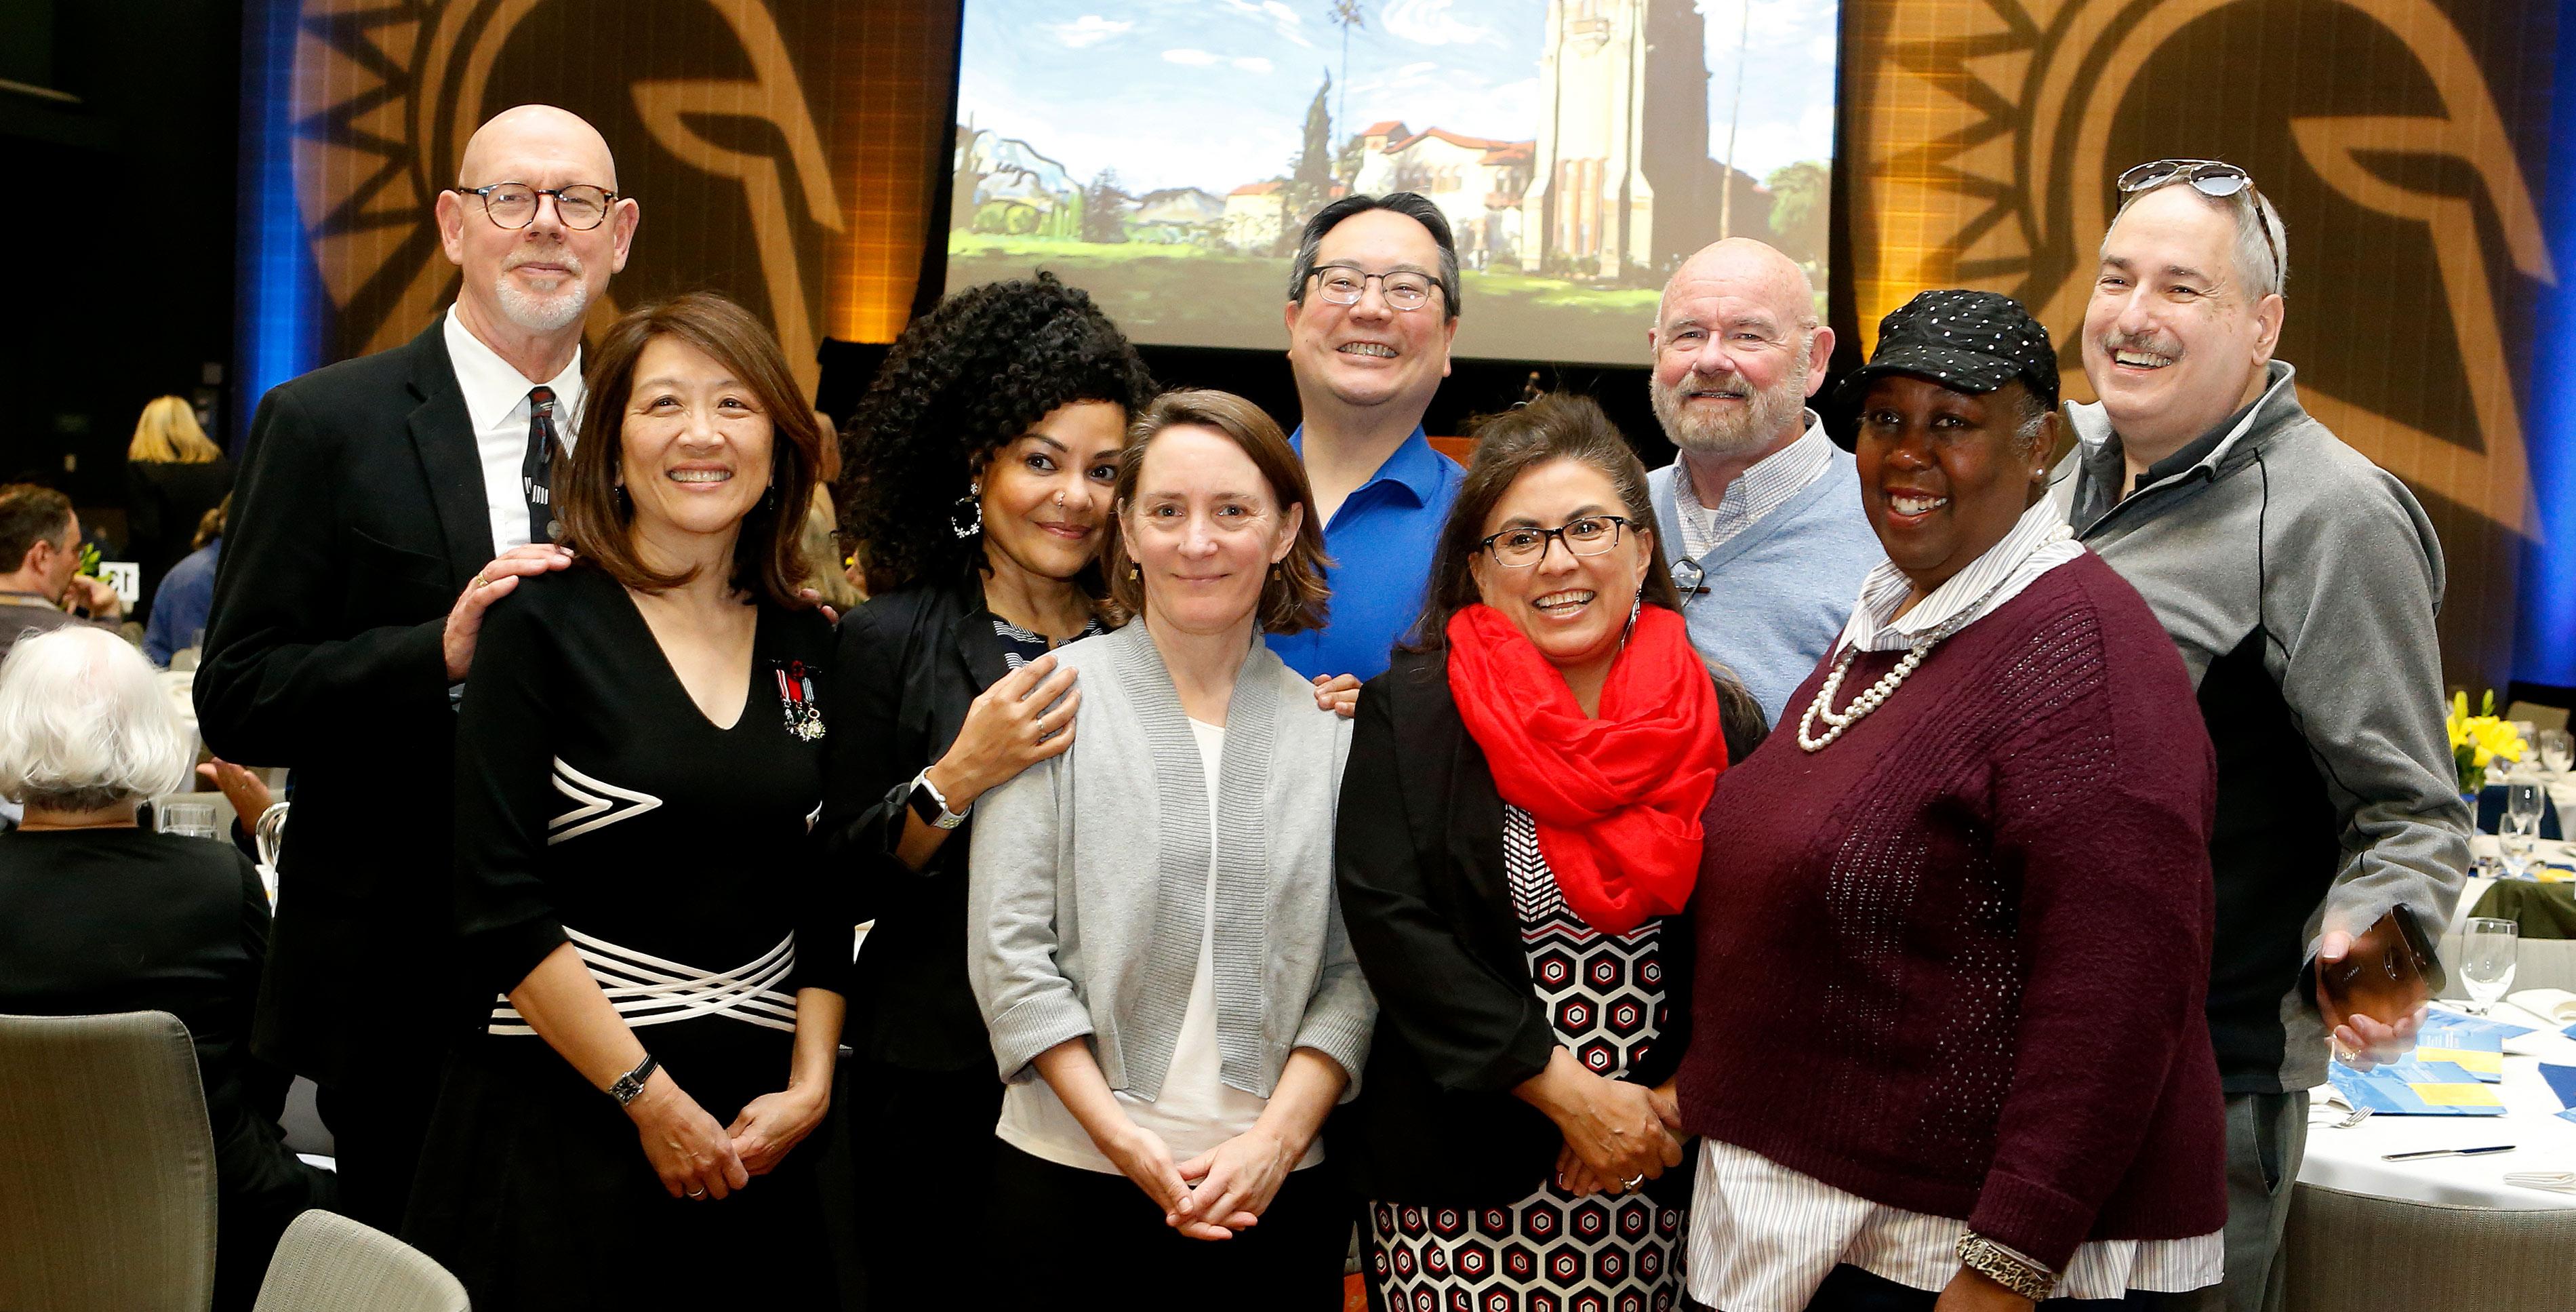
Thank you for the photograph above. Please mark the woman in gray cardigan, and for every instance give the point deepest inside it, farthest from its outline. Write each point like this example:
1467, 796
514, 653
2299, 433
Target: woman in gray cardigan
1153, 932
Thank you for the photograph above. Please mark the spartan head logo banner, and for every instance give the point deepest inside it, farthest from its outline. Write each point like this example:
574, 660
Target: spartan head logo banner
2376, 126
701, 100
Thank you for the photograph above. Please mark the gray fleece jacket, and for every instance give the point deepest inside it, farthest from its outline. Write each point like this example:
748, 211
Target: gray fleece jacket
2300, 582
1089, 876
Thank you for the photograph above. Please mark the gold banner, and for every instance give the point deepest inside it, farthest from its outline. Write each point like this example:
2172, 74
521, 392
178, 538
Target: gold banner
2399, 139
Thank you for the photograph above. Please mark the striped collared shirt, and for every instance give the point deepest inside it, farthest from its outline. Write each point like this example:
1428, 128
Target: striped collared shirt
1763, 1237
2039, 542
1758, 491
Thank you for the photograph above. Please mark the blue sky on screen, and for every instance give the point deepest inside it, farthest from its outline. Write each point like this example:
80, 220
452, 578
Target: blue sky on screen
1213, 93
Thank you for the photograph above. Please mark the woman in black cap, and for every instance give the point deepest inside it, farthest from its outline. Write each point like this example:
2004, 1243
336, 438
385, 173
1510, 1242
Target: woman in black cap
1966, 891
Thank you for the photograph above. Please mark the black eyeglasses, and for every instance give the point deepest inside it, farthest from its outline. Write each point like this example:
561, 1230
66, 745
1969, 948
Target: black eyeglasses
1403, 289
2214, 178
513, 205
1520, 548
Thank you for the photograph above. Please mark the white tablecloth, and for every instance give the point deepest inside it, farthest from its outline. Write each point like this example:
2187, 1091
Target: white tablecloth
2350, 1160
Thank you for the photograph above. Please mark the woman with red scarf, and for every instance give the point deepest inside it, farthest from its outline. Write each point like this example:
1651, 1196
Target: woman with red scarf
1520, 824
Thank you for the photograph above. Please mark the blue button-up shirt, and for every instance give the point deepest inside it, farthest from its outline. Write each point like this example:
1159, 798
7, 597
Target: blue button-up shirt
1381, 541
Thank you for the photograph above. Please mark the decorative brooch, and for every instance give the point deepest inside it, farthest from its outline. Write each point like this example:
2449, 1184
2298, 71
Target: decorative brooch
796, 699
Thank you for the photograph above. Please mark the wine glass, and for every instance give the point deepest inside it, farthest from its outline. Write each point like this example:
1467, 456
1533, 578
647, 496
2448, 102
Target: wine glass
2487, 959
2557, 750
187, 819
2518, 831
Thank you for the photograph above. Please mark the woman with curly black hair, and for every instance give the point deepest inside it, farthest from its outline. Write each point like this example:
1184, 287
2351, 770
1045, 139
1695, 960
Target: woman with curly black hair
978, 490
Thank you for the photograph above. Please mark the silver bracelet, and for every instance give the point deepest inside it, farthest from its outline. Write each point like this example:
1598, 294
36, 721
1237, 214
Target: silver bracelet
2005, 1267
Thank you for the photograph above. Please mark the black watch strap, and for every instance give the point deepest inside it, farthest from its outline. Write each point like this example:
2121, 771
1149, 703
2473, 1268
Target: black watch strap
630, 1086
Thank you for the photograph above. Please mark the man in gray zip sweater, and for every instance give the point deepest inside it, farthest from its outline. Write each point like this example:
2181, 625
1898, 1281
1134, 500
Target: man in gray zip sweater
2300, 582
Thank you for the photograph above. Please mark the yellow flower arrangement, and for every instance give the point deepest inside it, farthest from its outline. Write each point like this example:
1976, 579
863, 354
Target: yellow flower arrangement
2478, 741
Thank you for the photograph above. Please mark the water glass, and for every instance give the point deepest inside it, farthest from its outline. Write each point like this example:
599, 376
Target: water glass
2557, 750
2518, 831
2487, 959
187, 819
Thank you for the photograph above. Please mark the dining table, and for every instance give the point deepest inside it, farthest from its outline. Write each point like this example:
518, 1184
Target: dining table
2353, 1155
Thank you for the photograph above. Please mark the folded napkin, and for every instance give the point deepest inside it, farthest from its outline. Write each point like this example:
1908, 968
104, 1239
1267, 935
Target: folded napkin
2555, 1181
2557, 1006
2562, 1081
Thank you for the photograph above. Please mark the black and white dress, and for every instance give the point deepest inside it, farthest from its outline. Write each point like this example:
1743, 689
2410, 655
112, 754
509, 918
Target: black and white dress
598, 805
1550, 1251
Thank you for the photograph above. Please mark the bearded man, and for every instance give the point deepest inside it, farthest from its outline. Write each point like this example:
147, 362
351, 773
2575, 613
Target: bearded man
383, 503
1760, 516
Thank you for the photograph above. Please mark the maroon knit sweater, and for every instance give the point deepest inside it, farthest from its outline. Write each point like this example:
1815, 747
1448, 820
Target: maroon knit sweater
1954, 962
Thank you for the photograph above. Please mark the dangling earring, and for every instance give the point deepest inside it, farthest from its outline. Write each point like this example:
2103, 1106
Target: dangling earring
769, 497
1136, 572
967, 518
1635, 608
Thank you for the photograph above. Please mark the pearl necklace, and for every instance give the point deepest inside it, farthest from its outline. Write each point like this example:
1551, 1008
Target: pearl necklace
1870, 697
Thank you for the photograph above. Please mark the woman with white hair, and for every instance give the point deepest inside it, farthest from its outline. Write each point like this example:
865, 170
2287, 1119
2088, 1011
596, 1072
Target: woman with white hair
100, 915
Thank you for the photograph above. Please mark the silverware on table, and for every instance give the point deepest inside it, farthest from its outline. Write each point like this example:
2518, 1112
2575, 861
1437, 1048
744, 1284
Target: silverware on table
2447, 1152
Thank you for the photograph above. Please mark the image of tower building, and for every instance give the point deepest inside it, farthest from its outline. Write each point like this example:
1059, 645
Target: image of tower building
1621, 186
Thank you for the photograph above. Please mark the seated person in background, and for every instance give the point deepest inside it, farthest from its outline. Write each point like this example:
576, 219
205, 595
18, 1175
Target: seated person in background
187, 593
98, 915
1964, 894
40, 544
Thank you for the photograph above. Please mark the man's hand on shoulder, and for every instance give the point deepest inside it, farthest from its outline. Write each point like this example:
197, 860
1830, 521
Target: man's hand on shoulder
491, 583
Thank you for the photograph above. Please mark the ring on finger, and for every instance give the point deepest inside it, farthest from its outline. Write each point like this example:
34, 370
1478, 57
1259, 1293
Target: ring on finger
479, 580
1633, 1181
697, 1193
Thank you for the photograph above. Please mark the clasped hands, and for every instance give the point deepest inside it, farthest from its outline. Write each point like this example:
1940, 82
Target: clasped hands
1618, 1135
698, 1158
1212, 1195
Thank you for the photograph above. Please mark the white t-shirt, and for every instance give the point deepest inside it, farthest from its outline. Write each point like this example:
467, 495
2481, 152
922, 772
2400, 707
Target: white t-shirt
1197, 1109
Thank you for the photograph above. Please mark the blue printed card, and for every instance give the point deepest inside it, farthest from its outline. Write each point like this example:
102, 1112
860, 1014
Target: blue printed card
2415, 1088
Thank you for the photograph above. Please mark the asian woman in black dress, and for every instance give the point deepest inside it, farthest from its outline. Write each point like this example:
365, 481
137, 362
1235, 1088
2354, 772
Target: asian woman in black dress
639, 754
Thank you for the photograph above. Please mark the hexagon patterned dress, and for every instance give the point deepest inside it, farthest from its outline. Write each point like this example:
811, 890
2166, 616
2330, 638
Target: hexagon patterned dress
1551, 1251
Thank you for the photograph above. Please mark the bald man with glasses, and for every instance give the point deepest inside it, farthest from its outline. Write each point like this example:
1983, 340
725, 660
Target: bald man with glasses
384, 503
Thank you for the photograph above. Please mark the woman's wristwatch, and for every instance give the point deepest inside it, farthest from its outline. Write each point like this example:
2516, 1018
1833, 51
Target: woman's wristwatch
2005, 1267
630, 1086
932, 805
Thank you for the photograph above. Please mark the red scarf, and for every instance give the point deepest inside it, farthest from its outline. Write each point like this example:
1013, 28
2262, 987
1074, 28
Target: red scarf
1617, 799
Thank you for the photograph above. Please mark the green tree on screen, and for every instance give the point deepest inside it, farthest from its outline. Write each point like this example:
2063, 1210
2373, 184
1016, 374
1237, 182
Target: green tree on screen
1801, 196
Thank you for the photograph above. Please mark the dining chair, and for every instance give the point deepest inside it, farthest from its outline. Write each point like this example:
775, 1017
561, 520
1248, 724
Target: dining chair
2347, 1251
107, 1166
329, 1263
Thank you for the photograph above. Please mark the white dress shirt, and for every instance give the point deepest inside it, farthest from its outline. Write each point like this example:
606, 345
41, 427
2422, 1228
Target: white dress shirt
496, 401
1759, 490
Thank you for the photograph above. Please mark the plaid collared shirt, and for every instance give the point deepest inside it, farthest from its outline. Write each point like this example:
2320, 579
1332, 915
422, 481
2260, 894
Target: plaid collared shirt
1763, 486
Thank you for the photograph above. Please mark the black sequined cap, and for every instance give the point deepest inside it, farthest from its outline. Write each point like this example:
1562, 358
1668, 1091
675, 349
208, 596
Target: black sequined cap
1967, 341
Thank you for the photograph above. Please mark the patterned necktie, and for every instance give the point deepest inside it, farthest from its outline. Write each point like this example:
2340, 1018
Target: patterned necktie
536, 472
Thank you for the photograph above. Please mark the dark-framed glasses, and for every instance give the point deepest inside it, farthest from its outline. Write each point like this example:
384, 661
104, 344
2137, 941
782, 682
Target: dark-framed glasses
2214, 178
1524, 546
514, 204
1403, 289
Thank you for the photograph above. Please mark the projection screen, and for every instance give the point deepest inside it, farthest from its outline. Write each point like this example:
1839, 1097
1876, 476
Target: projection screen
1165, 155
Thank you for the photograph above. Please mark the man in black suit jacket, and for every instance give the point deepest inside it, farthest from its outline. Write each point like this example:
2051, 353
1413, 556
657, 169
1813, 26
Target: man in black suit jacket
384, 503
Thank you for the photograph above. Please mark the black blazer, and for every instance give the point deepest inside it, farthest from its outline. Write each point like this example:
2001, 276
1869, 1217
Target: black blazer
1419, 855
908, 666
358, 518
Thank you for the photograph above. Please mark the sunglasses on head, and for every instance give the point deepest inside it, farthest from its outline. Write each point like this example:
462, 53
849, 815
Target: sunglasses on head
2216, 179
